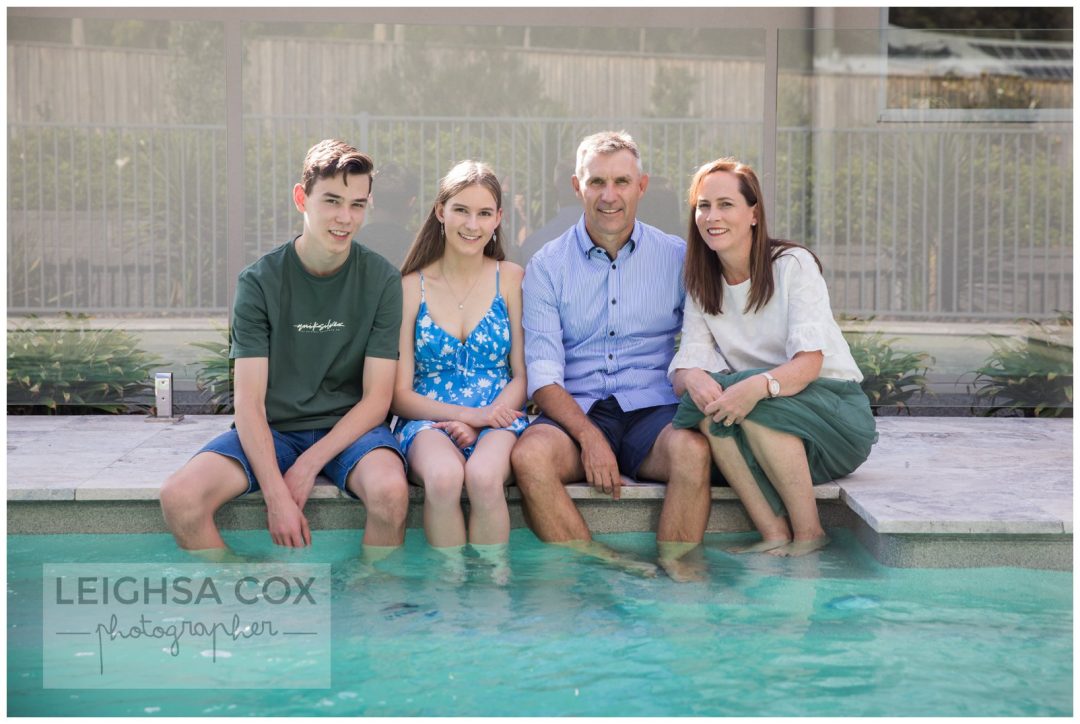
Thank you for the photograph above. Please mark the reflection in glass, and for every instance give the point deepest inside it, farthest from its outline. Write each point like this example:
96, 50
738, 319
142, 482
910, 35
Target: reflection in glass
116, 188
921, 223
518, 98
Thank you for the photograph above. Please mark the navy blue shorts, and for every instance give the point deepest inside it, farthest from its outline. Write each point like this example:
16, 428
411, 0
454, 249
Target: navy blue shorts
630, 434
290, 445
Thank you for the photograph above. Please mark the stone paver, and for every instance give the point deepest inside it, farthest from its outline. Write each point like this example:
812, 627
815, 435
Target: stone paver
974, 476
926, 476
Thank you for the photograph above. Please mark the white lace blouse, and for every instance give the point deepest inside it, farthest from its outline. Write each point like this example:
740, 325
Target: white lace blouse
798, 318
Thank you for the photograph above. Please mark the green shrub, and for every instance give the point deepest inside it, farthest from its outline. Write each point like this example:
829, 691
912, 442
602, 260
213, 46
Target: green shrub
1030, 375
76, 371
215, 377
890, 376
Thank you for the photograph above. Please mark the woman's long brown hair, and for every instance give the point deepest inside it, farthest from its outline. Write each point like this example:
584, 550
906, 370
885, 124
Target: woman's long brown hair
429, 244
703, 273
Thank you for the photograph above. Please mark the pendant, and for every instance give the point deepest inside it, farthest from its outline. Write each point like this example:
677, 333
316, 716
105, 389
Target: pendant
461, 306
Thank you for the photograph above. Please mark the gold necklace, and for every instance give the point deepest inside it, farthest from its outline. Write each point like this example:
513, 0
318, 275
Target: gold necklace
459, 300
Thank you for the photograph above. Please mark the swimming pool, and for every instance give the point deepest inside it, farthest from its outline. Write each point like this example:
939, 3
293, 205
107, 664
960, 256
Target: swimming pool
834, 634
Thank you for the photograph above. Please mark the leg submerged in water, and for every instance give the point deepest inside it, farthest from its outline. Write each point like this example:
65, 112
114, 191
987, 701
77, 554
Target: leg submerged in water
783, 458
802, 547
453, 562
681, 459
192, 495
498, 556
683, 562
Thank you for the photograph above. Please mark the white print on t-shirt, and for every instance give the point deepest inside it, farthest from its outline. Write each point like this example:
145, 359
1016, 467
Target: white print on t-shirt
318, 327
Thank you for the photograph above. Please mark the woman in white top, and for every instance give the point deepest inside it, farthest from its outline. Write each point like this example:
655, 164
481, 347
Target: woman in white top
762, 366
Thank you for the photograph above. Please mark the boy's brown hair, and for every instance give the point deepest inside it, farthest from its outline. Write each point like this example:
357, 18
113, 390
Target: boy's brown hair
328, 158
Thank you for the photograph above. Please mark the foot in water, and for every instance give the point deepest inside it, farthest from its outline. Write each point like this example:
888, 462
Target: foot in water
453, 563
223, 555
683, 562
801, 547
762, 546
497, 555
364, 570
610, 555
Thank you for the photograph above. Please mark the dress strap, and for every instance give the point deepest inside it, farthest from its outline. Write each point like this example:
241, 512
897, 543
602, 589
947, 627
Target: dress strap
497, 286
421, 286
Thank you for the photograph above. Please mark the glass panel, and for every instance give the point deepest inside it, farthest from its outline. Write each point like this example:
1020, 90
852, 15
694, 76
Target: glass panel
116, 182
520, 98
947, 238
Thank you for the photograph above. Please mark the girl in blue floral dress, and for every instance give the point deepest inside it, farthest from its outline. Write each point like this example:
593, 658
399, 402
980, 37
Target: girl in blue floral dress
460, 387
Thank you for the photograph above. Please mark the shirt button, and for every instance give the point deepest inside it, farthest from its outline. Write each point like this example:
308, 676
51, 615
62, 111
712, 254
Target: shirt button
611, 333
613, 266
611, 356
612, 301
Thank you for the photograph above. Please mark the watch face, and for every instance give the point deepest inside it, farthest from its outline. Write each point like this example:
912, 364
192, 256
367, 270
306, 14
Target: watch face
774, 388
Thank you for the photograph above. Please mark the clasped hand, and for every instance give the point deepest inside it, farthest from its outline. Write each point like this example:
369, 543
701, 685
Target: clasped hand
285, 517
727, 407
733, 404
462, 433
494, 415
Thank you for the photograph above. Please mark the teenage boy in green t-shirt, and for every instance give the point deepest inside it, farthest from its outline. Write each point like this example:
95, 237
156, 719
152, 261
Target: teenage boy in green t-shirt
315, 339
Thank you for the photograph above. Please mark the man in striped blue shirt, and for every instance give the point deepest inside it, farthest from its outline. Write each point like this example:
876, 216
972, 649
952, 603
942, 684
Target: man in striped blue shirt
602, 305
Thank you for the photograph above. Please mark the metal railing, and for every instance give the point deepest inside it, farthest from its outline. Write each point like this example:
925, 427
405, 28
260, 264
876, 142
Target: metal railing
929, 222
939, 223
116, 219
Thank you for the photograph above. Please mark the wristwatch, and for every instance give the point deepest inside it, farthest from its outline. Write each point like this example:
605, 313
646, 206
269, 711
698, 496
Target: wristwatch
774, 385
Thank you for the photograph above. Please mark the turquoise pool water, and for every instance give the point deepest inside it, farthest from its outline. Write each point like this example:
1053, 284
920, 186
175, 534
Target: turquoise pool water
834, 634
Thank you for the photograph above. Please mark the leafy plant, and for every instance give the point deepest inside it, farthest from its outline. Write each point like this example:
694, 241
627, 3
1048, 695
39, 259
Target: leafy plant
1032, 375
76, 371
215, 378
890, 376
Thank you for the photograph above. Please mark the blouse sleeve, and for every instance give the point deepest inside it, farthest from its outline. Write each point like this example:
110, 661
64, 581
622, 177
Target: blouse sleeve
810, 318
697, 346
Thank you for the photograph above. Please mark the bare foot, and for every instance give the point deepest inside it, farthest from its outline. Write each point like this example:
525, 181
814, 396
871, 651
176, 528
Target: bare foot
684, 562
453, 563
498, 556
612, 556
681, 570
636, 567
801, 547
763, 546
221, 555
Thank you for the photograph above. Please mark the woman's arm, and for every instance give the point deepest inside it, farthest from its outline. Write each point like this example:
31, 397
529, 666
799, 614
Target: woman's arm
696, 357
736, 402
807, 315
513, 395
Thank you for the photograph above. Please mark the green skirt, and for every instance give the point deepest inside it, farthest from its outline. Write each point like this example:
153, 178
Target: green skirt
832, 417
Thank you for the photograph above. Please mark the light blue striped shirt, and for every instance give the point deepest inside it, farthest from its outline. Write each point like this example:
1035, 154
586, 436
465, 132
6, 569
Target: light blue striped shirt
601, 327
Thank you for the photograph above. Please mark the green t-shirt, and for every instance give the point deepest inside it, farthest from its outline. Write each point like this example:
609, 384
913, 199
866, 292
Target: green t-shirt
315, 331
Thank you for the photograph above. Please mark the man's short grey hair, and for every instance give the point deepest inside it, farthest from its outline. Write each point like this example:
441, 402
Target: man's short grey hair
606, 142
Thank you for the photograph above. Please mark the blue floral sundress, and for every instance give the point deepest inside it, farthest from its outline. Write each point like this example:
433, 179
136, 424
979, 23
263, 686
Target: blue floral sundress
470, 373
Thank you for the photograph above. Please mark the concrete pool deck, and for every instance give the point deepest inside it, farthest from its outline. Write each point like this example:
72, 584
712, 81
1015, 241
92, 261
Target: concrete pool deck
936, 492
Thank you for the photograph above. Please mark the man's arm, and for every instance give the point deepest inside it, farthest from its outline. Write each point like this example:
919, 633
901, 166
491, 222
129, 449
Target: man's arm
370, 411
546, 363
284, 519
597, 457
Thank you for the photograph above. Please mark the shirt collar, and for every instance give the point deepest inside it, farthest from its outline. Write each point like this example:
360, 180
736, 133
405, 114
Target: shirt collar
585, 242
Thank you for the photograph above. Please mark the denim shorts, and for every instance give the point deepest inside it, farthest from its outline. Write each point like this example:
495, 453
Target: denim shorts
290, 445
630, 434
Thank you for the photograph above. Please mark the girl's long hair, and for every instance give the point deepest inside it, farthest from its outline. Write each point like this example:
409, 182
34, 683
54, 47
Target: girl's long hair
430, 244
703, 273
